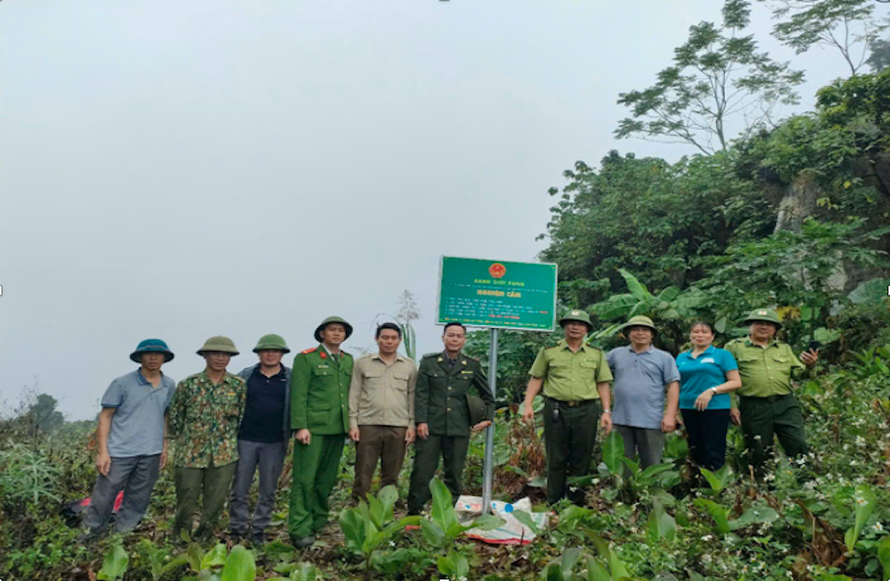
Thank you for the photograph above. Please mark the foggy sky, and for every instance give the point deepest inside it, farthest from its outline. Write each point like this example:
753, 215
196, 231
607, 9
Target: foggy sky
186, 169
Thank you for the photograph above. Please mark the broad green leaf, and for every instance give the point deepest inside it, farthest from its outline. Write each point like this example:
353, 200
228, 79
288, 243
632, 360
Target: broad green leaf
596, 572
353, 526
432, 533
526, 519
240, 566
884, 555
115, 564
870, 291
195, 555
613, 453
443, 513
568, 560
617, 566
865, 503
388, 496
754, 515
305, 572
719, 479
215, 557
717, 512
669, 294
661, 525
636, 288
176, 563
487, 522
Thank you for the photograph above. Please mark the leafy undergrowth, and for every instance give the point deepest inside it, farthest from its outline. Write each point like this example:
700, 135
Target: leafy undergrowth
819, 517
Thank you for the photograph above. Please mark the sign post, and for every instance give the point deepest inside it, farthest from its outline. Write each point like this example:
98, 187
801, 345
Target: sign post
496, 295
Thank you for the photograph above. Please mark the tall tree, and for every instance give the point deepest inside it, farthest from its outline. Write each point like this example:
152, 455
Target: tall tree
849, 26
717, 75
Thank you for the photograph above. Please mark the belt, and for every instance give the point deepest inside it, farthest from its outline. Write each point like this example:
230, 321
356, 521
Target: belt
571, 404
769, 398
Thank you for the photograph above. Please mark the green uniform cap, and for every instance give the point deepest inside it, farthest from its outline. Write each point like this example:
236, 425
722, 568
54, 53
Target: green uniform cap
271, 342
576, 315
327, 322
219, 344
151, 346
768, 315
640, 321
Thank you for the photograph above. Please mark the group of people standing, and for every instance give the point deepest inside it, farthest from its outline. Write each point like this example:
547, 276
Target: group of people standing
228, 427
749, 382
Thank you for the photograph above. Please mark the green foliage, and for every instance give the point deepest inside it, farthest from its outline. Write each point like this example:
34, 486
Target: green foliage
865, 503
26, 476
717, 74
846, 25
115, 564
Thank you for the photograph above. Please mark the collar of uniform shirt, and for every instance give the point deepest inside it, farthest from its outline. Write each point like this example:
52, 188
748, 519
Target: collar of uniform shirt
325, 347
649, 349
399, 357
772, 342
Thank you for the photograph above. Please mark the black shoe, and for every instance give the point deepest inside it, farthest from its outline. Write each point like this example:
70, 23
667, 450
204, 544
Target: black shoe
236, 537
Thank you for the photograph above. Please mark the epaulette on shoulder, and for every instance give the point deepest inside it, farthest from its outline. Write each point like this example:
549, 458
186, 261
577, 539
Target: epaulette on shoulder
433, 354
310, 350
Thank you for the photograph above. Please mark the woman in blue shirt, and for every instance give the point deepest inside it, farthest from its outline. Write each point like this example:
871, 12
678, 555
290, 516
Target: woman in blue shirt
707, 375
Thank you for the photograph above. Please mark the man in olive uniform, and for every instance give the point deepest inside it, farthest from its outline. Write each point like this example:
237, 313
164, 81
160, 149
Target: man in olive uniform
766, 405
320, 416
442, 415
575, 379
205, 415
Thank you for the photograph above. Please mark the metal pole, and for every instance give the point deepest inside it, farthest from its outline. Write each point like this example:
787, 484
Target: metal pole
488, 467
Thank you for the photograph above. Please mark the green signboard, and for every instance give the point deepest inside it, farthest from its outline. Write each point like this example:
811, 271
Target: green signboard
502, 295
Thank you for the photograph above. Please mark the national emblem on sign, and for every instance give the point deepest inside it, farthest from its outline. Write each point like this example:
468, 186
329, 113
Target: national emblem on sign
497, 270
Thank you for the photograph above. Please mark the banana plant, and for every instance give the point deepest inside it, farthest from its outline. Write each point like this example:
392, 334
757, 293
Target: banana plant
443, 527
239, 565
864, 504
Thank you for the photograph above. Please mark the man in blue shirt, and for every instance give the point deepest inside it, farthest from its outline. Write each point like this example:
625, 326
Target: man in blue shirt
644, 378
262, 438
131, 438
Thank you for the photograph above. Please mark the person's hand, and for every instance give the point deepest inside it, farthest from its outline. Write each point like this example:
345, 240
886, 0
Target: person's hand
528, 414
409, 436
163, 457
668, 423
103, 463
809, 358
704, 398
606, 423
735, 416
423, 431
354, 434
303, 436
481, 425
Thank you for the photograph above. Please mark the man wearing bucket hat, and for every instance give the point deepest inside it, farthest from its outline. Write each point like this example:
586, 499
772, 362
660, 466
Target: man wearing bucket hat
263, 437
766, 406
205, 415
647, 392
132, 447
319, 413
575, 380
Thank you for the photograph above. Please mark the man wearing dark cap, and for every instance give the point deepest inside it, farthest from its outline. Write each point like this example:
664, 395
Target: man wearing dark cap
575, 380
767, 407
205, 415
263, 437
320, 415
132, 447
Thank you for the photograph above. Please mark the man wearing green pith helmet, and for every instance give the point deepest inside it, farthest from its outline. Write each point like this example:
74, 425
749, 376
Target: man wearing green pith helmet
766, 406
320, 415
575, 380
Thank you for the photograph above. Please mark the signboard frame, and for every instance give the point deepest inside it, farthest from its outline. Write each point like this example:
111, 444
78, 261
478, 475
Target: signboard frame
495, 326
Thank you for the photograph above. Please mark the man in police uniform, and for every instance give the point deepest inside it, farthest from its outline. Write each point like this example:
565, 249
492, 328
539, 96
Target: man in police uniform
575, 378
442, 415
320, 416
766, 405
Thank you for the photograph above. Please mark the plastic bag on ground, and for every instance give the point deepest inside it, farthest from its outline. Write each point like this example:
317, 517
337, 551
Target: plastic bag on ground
512, 532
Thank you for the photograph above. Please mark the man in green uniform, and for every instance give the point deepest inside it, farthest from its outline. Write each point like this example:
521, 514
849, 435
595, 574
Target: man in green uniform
575, 378
204, 418
766, 405
442, 415
320, 416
